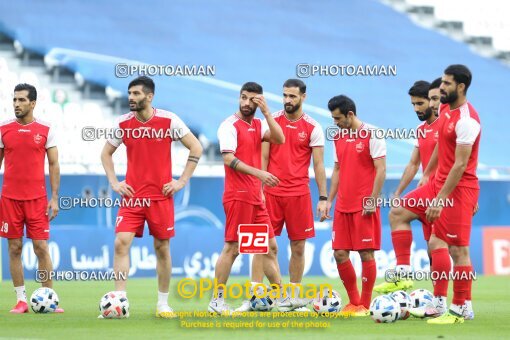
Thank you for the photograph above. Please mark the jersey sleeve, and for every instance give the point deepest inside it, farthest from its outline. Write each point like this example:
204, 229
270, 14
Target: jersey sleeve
264, 128
227, 136
115, 137
377, 147
467, 129
178, 127
1, 140
51, 139
317, 137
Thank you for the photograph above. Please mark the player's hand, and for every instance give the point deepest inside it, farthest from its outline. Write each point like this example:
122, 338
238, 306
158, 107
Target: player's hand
53, 206
424, 180
434, 211
260, 101
268, 179
326, 215
322, 207
123, 189
171, 188
475, 210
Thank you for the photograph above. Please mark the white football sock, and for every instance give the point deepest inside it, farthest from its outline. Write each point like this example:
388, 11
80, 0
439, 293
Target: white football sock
162, 299
457, 309
21, 294
469, 305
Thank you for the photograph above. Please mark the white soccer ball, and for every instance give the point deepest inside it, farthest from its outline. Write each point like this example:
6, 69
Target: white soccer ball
44, 300
261, 304
114, 305
384, 309
324, 303
422, 298
404, 300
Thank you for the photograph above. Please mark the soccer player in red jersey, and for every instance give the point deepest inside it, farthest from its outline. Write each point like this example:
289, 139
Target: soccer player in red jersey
241, 136
149, 176
290, 202
401, 233
25, 142
358, 177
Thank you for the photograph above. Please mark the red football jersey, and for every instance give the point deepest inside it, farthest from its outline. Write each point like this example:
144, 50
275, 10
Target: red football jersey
290, 161
24, 154
355, 154
459, 126
149, 158
245, 142
426, 141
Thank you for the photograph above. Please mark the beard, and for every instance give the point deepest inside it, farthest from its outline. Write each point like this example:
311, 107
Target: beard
247, 110
449, 98
137, 106
290, 109
20, 114
425, 115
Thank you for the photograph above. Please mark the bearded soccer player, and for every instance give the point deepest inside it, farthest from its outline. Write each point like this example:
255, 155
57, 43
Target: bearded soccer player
401, 234
358, 177
290, 202
25, 142
241, 136
149, 176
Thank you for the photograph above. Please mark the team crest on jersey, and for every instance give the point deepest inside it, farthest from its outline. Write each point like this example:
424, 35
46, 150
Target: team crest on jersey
38, 139
360, 147
302, 136
450, 127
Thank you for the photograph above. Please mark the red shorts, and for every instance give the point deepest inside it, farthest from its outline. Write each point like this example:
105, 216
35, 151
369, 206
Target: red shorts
239, 212
159, 216
352, 231
32, 213
454, 224
416, 200
295, 211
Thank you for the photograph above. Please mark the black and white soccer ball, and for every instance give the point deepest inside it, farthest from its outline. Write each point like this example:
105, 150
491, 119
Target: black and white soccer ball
114, 305
44, 300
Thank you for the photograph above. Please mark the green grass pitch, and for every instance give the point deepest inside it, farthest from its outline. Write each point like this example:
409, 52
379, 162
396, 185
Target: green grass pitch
491, 300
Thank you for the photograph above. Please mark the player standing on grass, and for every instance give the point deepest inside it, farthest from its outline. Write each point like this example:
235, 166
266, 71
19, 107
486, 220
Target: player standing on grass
401, 233
290, 202
149, 175
358, 177
24, 142
241, 136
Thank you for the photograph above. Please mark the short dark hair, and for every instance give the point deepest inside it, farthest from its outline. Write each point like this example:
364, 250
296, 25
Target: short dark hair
343, 103
146, 82
295, 83
251, 86
461, 74
420, 89
435, 84
32, 92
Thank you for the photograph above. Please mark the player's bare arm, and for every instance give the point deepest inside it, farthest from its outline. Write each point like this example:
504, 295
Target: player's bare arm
122, 188
275, 134
332, 191
410, 171
320, 179
235, 163
431, 168
380, 176
191, 143
462, 153
54, 170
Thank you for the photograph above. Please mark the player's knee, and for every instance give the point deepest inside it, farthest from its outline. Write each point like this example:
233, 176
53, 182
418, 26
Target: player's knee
341, 256
366, 255
297, 248
395, 216
41, 249
273, 247
15, 249
231, 250
459, 253
121, 246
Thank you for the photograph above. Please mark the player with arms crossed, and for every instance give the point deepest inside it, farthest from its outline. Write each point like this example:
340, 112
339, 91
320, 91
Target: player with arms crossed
241, 136
358, 177
149, 175
290, 202
401, 234
24, 142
